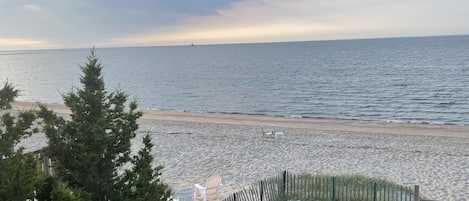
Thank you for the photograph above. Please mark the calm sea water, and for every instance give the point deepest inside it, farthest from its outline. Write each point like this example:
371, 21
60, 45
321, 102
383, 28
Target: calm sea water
419, 80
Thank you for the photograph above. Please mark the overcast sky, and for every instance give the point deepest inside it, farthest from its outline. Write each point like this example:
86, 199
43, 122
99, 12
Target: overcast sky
37, 24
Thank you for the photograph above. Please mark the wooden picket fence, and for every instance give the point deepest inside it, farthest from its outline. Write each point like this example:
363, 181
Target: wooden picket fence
292, 187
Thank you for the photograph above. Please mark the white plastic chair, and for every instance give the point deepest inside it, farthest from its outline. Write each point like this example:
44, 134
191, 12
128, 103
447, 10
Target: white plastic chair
279, 134
210, 191
185, 194
269, 133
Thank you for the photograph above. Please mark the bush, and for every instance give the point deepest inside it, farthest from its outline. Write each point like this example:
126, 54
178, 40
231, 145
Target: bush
7, 95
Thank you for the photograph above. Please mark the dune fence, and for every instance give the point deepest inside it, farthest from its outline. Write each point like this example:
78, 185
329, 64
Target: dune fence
307, 187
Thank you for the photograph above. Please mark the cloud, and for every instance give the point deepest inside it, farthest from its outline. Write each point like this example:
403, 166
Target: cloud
33, 8
84, 23
20, 43
194, 7
279, 20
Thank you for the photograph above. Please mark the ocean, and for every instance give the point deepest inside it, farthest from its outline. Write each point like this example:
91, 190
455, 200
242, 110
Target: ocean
414, 80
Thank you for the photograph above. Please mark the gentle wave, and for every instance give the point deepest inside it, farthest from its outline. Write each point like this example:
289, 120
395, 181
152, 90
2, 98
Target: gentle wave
314, 117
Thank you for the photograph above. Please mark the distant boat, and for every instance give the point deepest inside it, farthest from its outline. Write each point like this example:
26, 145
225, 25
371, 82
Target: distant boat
192, 44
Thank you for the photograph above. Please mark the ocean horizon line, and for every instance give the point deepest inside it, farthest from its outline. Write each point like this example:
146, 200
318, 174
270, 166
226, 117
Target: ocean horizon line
236, 43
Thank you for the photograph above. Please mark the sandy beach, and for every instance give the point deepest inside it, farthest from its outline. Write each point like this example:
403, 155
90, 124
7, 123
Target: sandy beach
193, 146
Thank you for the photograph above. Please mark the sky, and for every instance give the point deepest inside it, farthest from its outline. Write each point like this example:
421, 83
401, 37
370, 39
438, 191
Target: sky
55, 24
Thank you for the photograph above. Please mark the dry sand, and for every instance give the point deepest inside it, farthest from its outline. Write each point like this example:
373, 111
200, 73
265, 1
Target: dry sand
194, 146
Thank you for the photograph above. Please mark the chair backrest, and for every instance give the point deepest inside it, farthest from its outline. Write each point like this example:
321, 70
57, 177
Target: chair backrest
212, 184
199, 193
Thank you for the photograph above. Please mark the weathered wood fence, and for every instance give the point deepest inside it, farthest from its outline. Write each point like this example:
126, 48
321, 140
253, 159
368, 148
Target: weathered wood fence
291, 187
44, 161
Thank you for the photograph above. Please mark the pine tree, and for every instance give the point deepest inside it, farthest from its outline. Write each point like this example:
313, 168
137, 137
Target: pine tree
7, 94
142, 182
89, 149
62, 192
19, 172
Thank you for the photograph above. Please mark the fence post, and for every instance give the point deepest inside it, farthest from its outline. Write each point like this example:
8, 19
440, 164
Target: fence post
374, 191
416, 193
333, 189
262, 190
284, 184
